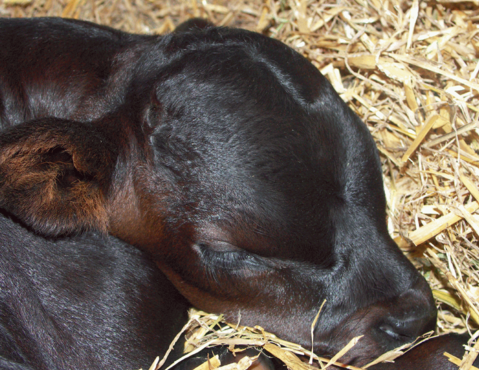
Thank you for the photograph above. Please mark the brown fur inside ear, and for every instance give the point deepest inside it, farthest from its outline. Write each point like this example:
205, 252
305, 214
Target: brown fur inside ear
55, 175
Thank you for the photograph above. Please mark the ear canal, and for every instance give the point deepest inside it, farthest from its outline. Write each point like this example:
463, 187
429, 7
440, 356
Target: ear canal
55, 175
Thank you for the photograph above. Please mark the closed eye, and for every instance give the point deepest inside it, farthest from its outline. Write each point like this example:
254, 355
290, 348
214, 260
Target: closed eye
223, 255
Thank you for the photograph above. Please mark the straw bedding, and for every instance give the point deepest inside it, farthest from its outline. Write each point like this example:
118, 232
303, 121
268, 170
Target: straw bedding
410, 70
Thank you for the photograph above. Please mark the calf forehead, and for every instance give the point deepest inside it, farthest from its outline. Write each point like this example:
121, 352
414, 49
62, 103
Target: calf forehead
262, 135
227, 44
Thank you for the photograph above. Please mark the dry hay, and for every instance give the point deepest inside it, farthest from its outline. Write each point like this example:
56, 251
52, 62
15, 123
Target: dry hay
409, 69
207, 330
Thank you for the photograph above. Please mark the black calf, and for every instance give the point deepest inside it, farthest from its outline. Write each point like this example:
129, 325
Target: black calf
224, 154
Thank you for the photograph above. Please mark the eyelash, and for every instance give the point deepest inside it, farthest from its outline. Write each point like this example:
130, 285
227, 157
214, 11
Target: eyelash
229, 260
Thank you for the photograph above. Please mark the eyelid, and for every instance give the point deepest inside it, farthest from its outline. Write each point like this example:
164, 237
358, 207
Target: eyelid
220, 246
227, 256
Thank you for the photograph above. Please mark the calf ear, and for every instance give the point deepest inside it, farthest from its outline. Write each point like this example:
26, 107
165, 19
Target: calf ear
192, 25
55, 175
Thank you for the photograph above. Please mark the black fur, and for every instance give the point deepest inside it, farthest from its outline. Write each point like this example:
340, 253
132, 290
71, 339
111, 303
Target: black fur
85, 302
224, 154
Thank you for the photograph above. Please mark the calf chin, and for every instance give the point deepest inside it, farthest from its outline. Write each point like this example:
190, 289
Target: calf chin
430, 355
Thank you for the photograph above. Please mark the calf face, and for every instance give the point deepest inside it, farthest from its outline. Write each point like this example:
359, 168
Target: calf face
84, 302
228, 157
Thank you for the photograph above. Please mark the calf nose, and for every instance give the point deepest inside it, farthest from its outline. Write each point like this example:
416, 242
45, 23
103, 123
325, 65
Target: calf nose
413, 313
408, 326
383, 326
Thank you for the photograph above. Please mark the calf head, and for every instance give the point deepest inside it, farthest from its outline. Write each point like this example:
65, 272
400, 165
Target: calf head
251, 183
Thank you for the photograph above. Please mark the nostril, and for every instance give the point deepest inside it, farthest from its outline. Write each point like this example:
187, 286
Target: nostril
388, 329
412, 314
407, 329
406, 322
